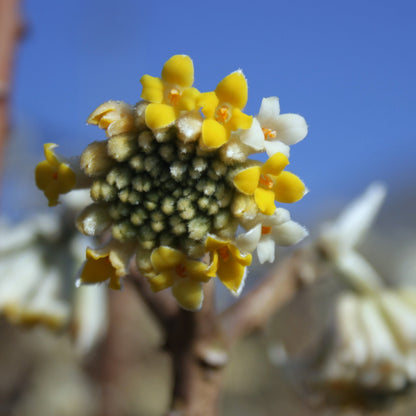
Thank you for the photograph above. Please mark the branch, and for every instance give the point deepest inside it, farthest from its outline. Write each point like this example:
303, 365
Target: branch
10, 30
282, 284
162, 305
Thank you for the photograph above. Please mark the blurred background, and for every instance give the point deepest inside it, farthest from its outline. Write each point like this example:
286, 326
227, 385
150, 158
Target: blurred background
347, 67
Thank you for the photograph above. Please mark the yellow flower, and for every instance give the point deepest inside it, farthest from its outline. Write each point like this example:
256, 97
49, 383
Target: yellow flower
269, 183
53, 176
229, 263
174, 269
107, 263
171, 94
222, 109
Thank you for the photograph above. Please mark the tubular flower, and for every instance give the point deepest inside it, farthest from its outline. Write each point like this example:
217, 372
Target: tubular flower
269, 183
166, 192
230, 263
171, 94
222, 109
265, 231
54, 176
274, 132
185, 276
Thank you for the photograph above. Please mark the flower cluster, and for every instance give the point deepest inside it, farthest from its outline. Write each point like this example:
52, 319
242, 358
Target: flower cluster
172, 184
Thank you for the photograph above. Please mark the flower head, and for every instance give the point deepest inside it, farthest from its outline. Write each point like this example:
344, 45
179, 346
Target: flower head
165, 192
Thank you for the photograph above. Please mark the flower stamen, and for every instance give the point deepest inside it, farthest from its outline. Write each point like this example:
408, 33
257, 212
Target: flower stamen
180, 270
266, 230
222, 114
224, 253
173, 96
266, 181
269, 133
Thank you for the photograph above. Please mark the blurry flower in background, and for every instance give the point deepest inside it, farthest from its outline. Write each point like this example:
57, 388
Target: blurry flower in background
38, 261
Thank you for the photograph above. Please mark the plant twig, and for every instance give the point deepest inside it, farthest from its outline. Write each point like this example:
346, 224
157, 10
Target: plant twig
10, 30
283, 283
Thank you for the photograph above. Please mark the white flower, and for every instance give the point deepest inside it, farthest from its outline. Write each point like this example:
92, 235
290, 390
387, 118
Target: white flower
272, 131
340, 238
265, 231
375, 344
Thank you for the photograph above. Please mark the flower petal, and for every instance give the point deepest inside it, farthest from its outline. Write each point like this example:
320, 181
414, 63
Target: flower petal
162, 280
247, 180
166, 258
197, 270
265, 200
233, 89
288, 188
248, 241
266, 250
289, 233
277, 146
153, 89
269, 111
158, 116
232, 274
275, 164
179, 70
239, 120
209, 102
189, 99
253, 136
290, 128
214, 134
189, 294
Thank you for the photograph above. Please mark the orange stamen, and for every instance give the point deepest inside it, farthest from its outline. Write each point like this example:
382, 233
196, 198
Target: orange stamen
173, 96
55, 176
269, 133
266, 230
266, 181
224, 253
180, 270
222, 114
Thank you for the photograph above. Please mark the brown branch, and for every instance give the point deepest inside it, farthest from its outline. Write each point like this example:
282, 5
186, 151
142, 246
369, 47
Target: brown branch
283, 283
10, 30
162, 306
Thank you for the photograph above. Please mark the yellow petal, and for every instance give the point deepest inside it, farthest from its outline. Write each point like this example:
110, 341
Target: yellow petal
179, 70
153, 89
166, 258
275, 164
161, 281
247, 180
189, 294
288, 188
197, 270
43, 174
233, 90
244, 260
50, 155
214, 134
66, 178
97, 268
213, 244
188, 100
239, 120
231, 273
158, 116
209, 102
265, 201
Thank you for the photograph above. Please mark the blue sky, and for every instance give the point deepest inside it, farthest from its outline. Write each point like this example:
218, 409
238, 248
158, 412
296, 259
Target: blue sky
347, 67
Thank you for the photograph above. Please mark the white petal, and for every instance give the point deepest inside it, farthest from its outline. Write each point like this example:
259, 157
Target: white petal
269, 111
280, 216
289, 233
266, 250
276, 146
254, 136
357, 217
358, 271
290, 128
90, 318
247, 242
